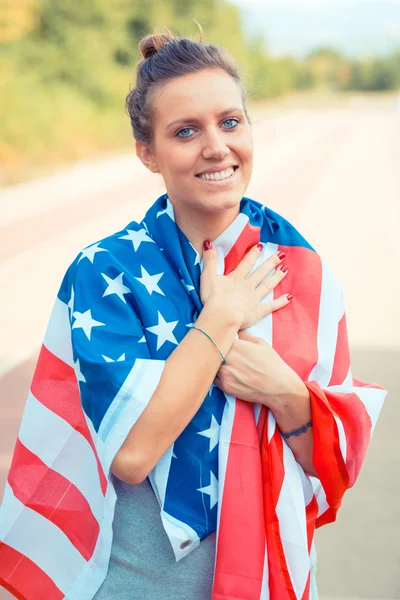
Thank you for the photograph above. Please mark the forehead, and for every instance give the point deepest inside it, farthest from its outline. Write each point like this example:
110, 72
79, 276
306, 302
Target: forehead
209, 91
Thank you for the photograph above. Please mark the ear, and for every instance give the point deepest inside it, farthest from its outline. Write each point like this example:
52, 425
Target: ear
143, 151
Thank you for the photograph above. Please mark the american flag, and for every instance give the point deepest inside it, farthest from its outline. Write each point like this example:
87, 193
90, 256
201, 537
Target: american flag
124, 305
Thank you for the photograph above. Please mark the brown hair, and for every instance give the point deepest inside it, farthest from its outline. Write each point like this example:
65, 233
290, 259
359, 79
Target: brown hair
166, 57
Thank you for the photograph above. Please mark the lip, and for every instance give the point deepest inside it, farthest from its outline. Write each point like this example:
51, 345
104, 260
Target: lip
216, 169
220, 182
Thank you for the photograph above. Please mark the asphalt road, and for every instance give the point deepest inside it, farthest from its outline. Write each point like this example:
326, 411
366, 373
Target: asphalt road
334, 172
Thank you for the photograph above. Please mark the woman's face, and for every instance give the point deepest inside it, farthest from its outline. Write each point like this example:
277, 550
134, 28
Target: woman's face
200, 125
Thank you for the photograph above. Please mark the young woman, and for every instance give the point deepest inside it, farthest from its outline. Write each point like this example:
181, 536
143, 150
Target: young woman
193, 416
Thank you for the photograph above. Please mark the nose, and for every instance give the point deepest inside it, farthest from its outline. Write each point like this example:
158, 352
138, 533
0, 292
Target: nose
214, 145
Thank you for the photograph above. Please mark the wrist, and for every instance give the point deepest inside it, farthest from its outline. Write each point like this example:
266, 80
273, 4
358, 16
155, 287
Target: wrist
293, 409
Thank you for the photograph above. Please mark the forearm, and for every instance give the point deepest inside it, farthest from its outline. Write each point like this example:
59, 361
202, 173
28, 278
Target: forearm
188, 374
292, 412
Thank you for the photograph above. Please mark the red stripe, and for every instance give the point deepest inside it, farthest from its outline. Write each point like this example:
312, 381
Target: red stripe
357, 428
54, 497
358, 383
249, 237
54, 384
327, 457
239, 567
280, 585
306, 593
294, 337
341, 363
23, 578
311, 516
295, 327
262, 423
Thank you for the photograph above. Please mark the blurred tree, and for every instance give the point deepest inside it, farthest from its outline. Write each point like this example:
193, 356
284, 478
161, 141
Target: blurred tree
67, 66
16, 19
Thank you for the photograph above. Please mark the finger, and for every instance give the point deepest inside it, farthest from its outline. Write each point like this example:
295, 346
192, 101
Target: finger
266, 268
276, 304
247, 337
209, 257
270, 283
247, 262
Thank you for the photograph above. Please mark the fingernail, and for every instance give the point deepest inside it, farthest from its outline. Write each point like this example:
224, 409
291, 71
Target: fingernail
289, 296
281, 255
260, 247
284, 268
207, 245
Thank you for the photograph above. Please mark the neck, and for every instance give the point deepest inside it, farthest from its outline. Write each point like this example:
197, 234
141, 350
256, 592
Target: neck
200, 225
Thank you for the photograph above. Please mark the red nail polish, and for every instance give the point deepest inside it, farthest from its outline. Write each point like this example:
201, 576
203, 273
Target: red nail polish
289, 296
284, 268
260, 247
281, 255
207, 245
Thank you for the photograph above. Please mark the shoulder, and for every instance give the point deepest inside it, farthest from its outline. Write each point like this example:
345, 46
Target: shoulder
109, 257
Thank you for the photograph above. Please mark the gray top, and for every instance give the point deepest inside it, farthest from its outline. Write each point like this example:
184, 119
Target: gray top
142, 563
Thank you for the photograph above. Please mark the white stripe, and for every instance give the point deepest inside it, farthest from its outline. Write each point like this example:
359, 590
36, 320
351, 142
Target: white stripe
95, 570
320, 495
229, 237
342, 436
62, 451
263, 328
331, 311
22, 528
372, 398
271, 425
57, 338
177, 530
290, 510
225, 435
126, 408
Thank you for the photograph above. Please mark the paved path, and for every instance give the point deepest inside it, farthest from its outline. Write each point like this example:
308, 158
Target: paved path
334, 172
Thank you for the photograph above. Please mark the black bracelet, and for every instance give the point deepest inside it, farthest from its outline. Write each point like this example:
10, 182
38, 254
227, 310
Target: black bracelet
298, 431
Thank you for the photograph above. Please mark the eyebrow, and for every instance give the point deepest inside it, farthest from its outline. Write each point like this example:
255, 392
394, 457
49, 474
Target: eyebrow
195, 120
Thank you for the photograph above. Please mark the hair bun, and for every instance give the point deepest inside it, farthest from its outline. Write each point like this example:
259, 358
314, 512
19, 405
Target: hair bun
152, 43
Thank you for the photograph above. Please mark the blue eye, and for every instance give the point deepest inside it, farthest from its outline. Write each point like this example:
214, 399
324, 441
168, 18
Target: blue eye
180, 131
234, 120
237, 121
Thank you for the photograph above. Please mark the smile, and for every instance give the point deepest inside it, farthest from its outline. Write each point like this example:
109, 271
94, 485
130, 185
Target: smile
219, 178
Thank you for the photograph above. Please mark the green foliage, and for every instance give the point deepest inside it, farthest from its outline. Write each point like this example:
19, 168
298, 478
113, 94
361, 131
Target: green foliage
67, 66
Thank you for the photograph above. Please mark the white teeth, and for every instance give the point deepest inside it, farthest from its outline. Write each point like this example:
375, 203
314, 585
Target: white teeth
217, 176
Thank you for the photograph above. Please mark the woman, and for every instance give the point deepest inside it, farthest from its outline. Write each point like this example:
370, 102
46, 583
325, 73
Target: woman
220, 418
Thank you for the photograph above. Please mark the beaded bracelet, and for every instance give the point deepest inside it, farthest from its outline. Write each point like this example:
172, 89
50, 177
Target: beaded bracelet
298, 431
198, 328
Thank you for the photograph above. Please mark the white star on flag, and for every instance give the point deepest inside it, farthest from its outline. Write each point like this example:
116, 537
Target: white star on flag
163, 331
211, 490
146, 228
168, 211
71, 300
84, 321
210, 391
78, 372
116, 286
150, 281
212, 433
91, 251
137, 237
142, 340
197, 255
121, 358
187, 286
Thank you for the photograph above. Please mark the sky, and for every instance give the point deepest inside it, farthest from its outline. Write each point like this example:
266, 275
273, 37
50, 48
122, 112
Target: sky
356, 27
